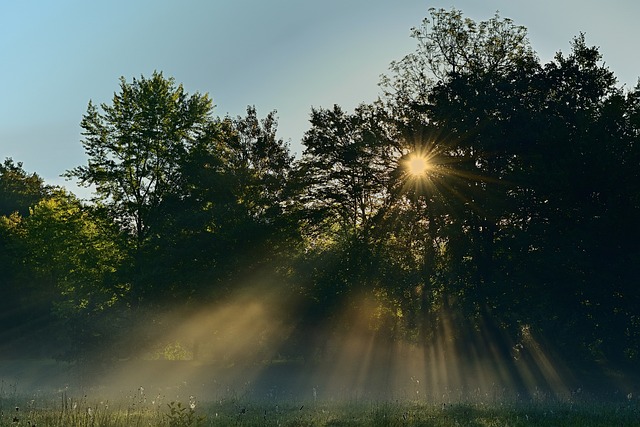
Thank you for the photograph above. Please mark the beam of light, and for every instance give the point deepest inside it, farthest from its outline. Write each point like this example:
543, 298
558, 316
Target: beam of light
358, 354
226, 343
541, 367
240, 338
462, 361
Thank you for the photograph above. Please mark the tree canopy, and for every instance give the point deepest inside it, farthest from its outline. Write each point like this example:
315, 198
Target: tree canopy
521, 217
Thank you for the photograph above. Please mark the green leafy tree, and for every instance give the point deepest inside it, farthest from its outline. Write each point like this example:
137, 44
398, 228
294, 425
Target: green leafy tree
22, 306
460, 101
342, 175
231, 213
135, 145
18, 189
345, 164
587, 190
138, 148
260, 165
72, 255
535, 160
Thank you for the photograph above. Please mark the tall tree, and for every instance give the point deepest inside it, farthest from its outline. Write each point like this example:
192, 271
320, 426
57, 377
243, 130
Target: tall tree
584, 179
347, 160
262, 164
232, 211
135, 145
137, 149
537, 159
345, 164
461, 100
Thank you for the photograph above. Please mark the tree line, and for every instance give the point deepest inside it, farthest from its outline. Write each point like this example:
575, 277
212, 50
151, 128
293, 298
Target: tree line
525, 217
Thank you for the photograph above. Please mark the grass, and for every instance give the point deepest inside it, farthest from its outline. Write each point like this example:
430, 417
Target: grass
137, 410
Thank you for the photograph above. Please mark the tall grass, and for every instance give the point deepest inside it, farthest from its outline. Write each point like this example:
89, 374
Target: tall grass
62, 410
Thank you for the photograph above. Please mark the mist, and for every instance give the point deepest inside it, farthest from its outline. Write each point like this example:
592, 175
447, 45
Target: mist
256, 344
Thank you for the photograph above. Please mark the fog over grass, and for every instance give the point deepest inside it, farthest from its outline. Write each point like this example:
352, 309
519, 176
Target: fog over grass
253, 344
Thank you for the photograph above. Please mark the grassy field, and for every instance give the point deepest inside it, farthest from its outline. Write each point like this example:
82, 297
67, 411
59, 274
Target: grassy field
31, 401
64, 411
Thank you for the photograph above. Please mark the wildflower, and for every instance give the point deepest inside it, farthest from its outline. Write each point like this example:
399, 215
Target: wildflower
192, 402
629, 396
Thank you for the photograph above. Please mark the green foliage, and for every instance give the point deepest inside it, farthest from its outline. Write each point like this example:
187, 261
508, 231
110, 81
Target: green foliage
69, 258
18, 189
526, 216
136, 144
181, 416
516, 224
345, 165
75, 250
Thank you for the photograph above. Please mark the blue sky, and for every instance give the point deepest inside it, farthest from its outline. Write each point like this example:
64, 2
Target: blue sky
287, 55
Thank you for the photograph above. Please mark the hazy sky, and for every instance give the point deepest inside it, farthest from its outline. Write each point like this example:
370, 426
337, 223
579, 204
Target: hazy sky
286, 55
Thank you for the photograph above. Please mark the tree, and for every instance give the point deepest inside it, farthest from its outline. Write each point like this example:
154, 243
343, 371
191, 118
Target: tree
463, 100
76, 251
261, 167
138, 148
449, 45
586, 192
341, 179
346, 160
135, 146
537, 160
19, 192
231, 213
65, 260
18, 189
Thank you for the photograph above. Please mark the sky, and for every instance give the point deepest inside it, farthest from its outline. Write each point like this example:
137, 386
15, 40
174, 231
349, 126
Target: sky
283, 55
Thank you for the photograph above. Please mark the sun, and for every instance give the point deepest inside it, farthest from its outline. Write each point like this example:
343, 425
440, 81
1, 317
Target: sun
417, 165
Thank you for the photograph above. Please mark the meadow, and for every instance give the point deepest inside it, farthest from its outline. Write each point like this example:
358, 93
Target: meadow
41, 393
60, 409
